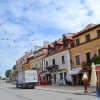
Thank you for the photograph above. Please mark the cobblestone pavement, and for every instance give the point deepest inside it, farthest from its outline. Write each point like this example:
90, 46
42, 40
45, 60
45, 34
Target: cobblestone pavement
10, 92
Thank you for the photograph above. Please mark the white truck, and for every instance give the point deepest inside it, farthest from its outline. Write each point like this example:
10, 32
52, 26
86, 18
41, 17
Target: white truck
27, 79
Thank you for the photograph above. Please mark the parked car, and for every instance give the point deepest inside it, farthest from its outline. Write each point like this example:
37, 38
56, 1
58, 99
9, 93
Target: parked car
7, 80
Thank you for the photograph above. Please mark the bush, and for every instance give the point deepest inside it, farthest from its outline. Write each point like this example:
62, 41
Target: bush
96, 60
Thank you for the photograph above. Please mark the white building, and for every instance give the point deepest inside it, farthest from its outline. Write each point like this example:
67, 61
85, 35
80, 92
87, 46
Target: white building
57, 62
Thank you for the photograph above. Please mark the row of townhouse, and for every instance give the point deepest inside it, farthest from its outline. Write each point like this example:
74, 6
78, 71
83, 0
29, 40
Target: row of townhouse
64, 58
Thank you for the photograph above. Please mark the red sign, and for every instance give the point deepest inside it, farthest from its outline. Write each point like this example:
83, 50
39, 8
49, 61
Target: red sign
97, 67
38, 76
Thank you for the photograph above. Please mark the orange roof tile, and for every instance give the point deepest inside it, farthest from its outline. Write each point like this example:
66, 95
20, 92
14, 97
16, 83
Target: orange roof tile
51, 45
58, 51
58, 42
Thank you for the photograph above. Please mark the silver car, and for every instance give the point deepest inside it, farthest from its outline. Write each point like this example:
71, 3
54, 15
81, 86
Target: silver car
7, 80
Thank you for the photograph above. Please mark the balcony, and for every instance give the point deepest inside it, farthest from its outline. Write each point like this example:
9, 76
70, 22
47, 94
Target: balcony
49, 68
55, 66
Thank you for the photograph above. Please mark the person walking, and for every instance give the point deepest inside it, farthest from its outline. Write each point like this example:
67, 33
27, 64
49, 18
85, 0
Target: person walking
98, 84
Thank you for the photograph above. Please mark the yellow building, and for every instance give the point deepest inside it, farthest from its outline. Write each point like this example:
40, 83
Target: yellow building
86, 45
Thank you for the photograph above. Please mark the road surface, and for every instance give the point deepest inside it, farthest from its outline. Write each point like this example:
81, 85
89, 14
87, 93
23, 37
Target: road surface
10, 92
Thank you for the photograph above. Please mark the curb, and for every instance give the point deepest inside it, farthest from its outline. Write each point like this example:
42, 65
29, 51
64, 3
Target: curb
90, 93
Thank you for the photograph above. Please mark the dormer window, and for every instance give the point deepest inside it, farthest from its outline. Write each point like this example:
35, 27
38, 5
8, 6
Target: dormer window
65, 43
56, 47
49, 51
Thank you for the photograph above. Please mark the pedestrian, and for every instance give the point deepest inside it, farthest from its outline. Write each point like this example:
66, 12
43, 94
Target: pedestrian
85, 80
98, 88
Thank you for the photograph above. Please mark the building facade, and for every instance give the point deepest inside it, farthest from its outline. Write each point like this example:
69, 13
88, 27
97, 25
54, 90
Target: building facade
86, 45
57, 61
38, 61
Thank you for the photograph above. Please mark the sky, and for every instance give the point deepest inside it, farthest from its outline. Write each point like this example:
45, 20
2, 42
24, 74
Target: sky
27, 23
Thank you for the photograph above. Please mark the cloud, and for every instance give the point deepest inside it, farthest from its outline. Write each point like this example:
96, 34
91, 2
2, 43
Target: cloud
46, 18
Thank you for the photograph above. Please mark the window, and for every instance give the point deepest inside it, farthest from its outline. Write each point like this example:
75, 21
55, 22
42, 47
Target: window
65, 43
49, 51
88, 37
53, 61
61, 75
88, 56
56, 47
77, 41
36, 65
63, 60
98, 33
77, 59
99, 52
46, 63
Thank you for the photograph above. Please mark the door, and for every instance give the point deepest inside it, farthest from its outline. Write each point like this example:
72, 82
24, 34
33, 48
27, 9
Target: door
54, 77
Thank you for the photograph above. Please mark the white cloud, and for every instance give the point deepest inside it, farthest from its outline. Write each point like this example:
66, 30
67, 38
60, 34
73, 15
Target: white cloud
46, 18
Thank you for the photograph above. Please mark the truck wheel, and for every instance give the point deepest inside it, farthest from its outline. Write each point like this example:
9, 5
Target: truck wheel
16, 86
32, 87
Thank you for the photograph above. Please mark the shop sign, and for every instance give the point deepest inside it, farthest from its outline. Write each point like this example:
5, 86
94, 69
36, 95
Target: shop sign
97, 67
60, 70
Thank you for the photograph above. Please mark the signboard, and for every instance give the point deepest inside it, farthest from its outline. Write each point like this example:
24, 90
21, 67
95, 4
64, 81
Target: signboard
62, 70
59, 70
30, 71
97, 67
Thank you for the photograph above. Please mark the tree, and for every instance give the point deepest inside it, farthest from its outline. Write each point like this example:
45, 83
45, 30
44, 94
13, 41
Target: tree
96, 59
14, 67
7, 73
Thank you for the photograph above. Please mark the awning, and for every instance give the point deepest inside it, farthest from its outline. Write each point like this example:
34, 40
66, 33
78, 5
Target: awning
74, 71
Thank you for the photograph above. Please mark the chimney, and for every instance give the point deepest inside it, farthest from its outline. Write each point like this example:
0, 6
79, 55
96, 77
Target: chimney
37, 48
26, 53
46, 44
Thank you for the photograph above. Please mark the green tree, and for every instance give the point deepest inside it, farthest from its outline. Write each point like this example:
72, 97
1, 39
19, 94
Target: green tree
7, 73
14, 67
96, 59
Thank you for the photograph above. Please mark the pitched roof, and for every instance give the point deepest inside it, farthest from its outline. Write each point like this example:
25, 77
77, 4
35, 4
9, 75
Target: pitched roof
58, 51
31, 55
86, 29
67, 38
58, 42
51, 45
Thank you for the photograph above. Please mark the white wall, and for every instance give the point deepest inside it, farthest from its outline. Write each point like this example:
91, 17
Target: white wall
58, 61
